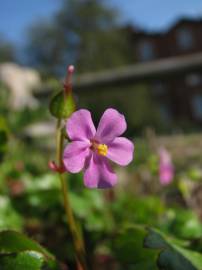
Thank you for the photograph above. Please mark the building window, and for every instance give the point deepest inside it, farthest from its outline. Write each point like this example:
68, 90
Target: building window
184, 38
159, 88
165, 113
146, 50
197, 106
193, 79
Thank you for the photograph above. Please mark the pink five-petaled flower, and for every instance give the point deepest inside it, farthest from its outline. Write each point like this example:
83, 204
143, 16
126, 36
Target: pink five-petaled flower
166, 168
91, 149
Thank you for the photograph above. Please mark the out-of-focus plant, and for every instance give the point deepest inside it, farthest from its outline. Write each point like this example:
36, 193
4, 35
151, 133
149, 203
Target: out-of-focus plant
7, 51
3, 137
139, 248
21, 253
166, 168
80, 32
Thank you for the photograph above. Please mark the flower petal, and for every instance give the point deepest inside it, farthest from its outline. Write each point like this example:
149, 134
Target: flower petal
112, 124
80, 126
98, 173
121, 151
166, 174
75, 155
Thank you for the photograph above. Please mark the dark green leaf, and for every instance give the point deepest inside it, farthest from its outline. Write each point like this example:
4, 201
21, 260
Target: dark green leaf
185, 224
22, 261
128, 248
172, 260
3, 137
18, 252
173, 256
151, 249
10, 218
11, 242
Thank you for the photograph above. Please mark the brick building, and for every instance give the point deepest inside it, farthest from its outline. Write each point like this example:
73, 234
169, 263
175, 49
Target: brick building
181, 97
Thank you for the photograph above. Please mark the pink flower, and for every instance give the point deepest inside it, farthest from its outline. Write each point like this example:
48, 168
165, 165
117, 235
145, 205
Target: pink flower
166, 168
91, 149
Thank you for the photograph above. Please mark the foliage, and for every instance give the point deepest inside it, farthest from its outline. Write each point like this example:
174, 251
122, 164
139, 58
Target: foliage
20, 253
111, 221
7, 51
3, 137
137, 248
80, 32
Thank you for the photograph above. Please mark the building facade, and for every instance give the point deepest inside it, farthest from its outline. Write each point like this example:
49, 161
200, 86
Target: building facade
181, 97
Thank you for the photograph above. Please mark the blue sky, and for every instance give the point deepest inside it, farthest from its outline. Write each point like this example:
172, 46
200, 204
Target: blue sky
17, 15
157, 14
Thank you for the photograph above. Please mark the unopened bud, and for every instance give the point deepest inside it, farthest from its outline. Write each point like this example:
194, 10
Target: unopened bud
70, 69
52, 165
68, 80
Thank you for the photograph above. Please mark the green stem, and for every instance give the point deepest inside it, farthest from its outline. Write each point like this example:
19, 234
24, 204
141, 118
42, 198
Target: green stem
76, 236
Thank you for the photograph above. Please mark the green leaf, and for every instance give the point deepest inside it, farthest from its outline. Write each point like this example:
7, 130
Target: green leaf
151, 249
128, 249
171, 260
173, 256
12, 241
61, 107
3, 137
18, 252
9, 217
185, 224
22, 261
89, 205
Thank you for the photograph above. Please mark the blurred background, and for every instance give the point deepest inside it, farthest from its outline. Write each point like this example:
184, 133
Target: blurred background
142, 58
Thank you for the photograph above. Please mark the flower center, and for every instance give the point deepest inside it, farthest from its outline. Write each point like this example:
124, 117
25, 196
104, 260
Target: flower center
101, 149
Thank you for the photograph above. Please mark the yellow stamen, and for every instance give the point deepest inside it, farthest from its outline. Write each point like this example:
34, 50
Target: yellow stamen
102, 149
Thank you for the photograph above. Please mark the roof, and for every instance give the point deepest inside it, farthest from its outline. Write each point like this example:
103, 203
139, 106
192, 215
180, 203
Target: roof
139, 32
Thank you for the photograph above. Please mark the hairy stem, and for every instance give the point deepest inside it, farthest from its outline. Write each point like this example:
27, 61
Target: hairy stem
76, 236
